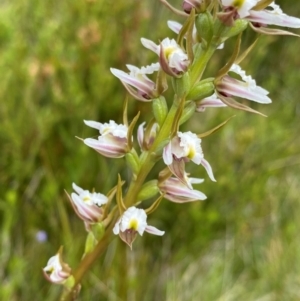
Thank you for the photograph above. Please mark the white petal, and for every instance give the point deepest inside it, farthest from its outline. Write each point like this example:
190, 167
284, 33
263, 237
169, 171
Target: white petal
150, 45
270, 18
93, 124
116, 228
167, 154
77, 188
153, 230
208, 168
174, 26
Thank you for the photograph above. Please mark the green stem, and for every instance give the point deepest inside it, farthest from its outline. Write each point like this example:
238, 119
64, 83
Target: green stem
149, 160
89, 260
130, 198
201, 61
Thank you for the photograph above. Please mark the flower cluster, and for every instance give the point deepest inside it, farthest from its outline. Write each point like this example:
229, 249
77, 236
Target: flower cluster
208, 25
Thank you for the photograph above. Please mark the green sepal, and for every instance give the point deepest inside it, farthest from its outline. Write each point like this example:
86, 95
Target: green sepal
98, 230
223, 32
133, 161
69, 283
160, 147
90, 243
155, 205
215, 129
160, 109
148, 190
201, 90
239, 26
188, 112
181, 85
130, 130
205, 26
119, 196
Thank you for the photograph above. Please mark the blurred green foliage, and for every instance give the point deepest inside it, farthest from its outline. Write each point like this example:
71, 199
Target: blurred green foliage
240, 244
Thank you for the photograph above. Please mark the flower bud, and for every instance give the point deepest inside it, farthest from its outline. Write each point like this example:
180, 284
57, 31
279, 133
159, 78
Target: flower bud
205, 26
239, 26
147, 136
56, 270
160, 109
181, 85
188, 5
201, 90
132, 161
188, 112
148, 190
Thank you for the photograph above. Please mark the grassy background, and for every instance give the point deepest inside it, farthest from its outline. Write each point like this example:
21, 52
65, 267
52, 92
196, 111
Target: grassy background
240, 244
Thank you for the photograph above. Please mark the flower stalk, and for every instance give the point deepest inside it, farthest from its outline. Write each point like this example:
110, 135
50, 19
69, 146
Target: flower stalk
208, 25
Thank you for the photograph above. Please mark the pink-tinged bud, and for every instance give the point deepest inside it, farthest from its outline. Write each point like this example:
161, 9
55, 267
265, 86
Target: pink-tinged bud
137, 83
175, 191
87, 205
209, 102
146, 137
188, 5
56, 270
229, 86
112, 142
134, 221
173, 60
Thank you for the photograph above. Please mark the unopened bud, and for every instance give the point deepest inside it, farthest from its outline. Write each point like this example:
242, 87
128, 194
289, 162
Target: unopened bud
132, 161
239, 26
149, 190
160, 109
188, 112
201, 90
188, 5
204, 25
182, 85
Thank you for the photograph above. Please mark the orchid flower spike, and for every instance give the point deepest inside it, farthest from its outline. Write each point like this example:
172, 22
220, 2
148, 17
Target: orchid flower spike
183, 148
229, 86
112, 142
173, 60
134, 221
88, 206
56, 271
175, 191
143, 87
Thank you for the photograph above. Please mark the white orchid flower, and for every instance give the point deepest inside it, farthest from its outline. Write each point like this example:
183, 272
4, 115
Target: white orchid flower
134, 221
229, 86
56, 271
112, 141
172, 58
144, 88
175, 191
182, 148
88, 205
